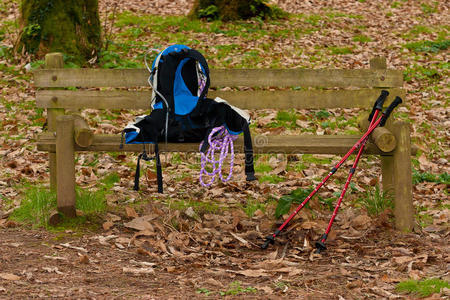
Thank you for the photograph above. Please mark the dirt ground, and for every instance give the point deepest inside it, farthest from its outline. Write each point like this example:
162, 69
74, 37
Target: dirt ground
217, 256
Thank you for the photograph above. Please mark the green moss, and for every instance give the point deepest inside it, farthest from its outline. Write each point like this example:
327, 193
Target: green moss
71, 27
228, 10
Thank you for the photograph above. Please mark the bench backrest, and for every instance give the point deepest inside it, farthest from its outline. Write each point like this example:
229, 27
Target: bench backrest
269, 88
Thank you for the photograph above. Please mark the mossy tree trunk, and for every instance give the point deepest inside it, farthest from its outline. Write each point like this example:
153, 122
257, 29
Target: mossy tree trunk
228, 10
68, 26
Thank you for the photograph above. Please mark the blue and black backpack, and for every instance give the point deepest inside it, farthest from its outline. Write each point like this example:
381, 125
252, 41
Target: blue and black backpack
181, 112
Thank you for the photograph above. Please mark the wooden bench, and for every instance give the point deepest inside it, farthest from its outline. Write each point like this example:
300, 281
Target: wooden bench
320, 89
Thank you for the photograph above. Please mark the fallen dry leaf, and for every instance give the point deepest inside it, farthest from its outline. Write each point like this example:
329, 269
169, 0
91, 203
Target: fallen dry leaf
9, 276
243, 241
131, 212
67, 245
84, 259
137, 271
213, 282
402, 259
140, 223
107, 225
361, 222
266, 289
251, 273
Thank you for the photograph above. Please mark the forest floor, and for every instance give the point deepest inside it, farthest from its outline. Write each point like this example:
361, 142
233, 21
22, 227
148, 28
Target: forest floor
194, 242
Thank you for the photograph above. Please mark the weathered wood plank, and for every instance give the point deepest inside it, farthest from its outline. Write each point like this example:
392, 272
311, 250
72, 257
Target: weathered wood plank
312, 99
225, 77
312, 144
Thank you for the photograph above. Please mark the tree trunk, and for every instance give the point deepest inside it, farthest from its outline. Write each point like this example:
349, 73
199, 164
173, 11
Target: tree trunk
228, 10
68, 26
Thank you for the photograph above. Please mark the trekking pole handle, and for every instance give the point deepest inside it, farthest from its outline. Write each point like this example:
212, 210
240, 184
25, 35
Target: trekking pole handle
378, 105
389, 110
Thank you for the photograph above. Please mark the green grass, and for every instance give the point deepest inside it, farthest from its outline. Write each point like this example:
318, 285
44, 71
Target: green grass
418, 30
114, 60
235, 288
340, 50
422, 288
285, 119
252, 205
322, 114
126, 49
362, 38
200, 207
429, 9
270, 178
35, 207
428, 46
329, 203
204, 291
419, 177
375, 201
38, 202
263, 168
310, 158
396, 4
424, 219
420, 73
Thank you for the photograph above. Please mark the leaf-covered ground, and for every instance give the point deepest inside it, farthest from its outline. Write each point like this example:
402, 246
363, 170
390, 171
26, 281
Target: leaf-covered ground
147, 246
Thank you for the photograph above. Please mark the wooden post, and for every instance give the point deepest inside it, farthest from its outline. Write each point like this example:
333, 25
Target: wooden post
381, 136
402, 178
83, 135
65, 162
387, 165
387, 175
378, 63
53, 61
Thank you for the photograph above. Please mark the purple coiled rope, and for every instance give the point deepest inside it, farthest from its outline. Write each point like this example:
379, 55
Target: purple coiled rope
222, 141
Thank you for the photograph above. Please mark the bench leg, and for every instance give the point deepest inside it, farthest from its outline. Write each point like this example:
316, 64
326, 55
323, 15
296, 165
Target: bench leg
402, 178
52, 168
65, 165
387, 174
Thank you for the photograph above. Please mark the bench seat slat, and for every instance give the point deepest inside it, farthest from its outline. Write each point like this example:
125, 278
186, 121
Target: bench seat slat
225, 77
309, 144
285, 99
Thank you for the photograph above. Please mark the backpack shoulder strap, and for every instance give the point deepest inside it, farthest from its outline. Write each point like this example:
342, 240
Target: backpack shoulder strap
194, 54
153, 78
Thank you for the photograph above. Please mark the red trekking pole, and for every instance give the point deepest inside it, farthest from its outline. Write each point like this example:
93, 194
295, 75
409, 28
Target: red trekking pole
320, 244
373, 116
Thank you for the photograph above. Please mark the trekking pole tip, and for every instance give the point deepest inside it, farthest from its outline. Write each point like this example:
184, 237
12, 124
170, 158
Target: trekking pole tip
265, 245
269, 240
320, 246
251, 177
